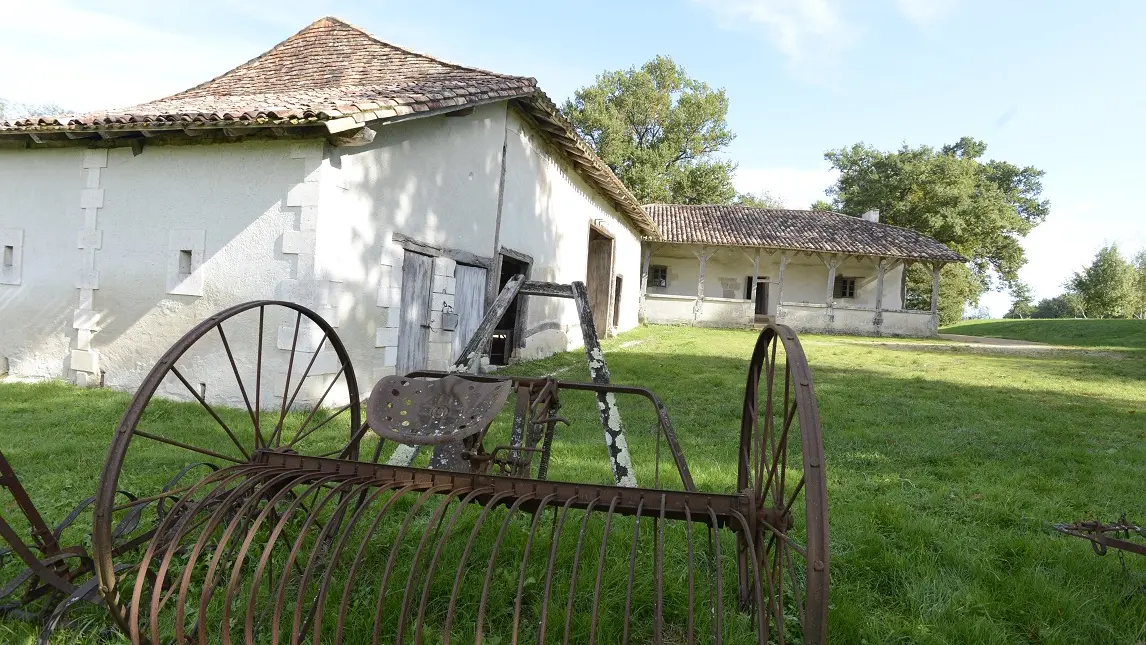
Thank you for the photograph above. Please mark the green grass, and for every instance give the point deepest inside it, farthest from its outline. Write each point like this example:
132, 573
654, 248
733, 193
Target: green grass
1120, 335
946, 468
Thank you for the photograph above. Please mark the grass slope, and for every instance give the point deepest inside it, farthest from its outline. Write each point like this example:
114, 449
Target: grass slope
946, 468
1123, 335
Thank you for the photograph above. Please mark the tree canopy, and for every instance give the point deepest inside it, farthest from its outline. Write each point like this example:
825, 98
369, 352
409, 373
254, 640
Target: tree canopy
1022, 301
660, 131
762, 199
1106, 287
982, 209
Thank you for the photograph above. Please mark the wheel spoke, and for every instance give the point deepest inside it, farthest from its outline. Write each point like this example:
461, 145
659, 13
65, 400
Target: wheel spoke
306, 372
781, 452
796, 591
235, 369
185, 446
211, 411
259, 384
286, 381
795, 493
298, 434
784, 537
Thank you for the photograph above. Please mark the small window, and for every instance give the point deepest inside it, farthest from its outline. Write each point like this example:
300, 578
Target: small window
658, 276
185, 262
9, 255
845, 288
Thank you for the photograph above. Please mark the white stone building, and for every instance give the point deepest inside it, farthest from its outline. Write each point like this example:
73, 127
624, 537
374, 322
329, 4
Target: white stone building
733, 266
337, 171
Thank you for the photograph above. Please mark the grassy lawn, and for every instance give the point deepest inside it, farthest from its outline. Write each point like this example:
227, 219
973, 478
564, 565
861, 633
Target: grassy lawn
946, 468
1119, 335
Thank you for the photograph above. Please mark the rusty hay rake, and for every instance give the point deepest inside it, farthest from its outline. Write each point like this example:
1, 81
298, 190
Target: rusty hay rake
321, 522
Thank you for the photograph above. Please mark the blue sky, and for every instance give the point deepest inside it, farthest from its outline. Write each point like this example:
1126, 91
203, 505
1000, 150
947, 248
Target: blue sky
1057, 85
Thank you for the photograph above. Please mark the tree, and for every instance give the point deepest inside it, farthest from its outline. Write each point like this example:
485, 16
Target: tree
10, 110
659, 131
1021, 301
1061, 306
822, 205
1106, 287
982, 209
762, 199
1139, 286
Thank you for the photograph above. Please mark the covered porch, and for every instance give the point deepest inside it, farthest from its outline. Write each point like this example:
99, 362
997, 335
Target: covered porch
733, 286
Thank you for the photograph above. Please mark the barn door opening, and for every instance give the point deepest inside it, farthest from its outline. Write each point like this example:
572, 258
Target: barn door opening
469, 303
599, 279
414, 322
505, 333
761, 308
617, 304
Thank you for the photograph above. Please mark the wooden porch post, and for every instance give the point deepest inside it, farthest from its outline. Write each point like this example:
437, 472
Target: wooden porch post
703, 254
935, 287
832, 262
784, 260
646, 256
882, 271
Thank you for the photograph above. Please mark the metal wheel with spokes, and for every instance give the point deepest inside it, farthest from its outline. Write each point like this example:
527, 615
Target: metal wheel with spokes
260, 376
781, 468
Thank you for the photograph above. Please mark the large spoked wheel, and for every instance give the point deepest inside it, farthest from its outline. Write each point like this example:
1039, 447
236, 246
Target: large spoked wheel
260, 376
781, 468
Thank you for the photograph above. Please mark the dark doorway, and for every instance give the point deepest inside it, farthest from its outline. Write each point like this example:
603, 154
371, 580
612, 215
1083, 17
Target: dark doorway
599, 279
617, 304
761, 308
504, 334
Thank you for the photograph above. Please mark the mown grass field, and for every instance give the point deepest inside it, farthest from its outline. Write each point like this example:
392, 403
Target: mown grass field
946, 468
1117, 335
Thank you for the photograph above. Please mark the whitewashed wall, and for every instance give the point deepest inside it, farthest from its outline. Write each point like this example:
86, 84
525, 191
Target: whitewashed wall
98, 294
546, 214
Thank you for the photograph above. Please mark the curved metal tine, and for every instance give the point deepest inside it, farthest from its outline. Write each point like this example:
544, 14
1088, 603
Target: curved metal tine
240, 556
553, 542
761, 617
632, 571
466, 553
210, 410
88, 591
601, 570
221, 512
324, 585
303, 532
478, 634
718, 603
362, 547
180, 521
298, 432
524, 564
690, 633
238, 379
286, 382
264, 559
435, 521
576, 567
381, 605
319, 556
259, 442
658, 576
438, 552
282, 484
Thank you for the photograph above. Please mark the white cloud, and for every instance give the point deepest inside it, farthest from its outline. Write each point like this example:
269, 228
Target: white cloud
797, 187
806, 31
925, 12
90, 60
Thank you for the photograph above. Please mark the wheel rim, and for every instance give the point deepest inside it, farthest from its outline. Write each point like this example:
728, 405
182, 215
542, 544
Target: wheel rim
781, 468
271, 397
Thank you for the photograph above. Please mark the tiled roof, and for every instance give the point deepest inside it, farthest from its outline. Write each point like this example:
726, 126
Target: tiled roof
328, 70
336, 75
821, 231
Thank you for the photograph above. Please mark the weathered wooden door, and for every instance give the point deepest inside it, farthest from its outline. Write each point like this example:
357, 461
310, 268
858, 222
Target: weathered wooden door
599, 280
414, 323
469, 303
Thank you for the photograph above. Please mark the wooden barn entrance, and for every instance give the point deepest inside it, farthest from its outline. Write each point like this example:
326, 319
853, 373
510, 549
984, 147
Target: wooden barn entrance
599, 278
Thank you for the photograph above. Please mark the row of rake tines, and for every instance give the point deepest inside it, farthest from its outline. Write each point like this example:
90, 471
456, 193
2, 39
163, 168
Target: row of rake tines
264, 554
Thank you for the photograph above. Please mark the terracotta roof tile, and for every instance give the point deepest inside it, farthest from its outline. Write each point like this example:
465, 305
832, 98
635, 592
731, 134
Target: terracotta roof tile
821, 231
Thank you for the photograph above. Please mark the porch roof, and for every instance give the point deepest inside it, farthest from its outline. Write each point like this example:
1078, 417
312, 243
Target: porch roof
798, 230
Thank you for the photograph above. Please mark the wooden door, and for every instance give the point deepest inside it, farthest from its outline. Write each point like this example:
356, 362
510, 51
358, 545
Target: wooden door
599, 280
414, 322
469, 303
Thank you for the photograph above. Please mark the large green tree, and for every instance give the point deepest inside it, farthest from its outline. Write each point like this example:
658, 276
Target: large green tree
660, 131
1062, 306
1022, 301
1106, 287
1139, 299
982, 209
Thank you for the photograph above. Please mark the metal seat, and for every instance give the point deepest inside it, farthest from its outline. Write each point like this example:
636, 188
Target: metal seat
416, 411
